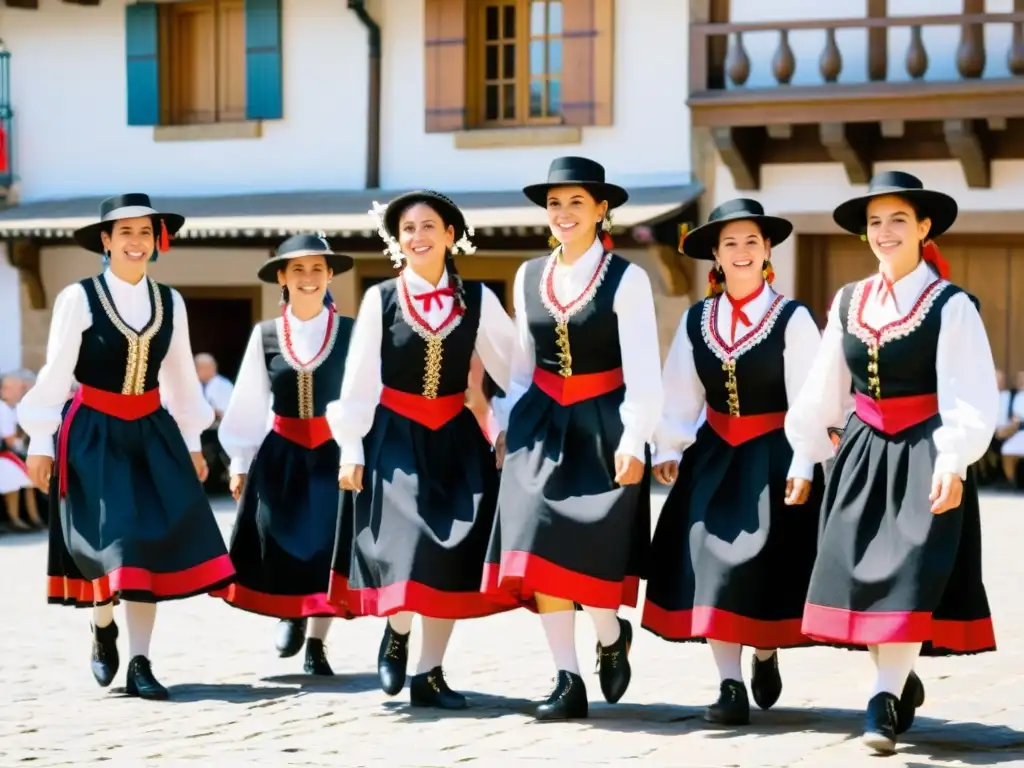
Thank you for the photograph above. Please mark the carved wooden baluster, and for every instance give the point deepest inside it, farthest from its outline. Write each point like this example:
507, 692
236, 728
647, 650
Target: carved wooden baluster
917, 56
970, 55
738, 65
784, 63
831, 62
1015, 60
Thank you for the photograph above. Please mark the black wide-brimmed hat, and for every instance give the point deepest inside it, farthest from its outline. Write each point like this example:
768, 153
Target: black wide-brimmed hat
699, 243
447, 209
577, 172
297, 246
130, 206
937, 206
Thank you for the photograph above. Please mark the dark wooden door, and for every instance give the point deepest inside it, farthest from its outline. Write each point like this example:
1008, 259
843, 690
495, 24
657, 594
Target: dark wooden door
220, 327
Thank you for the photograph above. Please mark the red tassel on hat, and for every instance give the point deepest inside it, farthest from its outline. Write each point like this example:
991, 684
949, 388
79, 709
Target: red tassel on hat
930, 252
606, 241
684, 230
165, 239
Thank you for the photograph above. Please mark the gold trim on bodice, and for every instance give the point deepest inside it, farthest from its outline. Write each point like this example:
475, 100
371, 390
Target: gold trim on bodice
137, 364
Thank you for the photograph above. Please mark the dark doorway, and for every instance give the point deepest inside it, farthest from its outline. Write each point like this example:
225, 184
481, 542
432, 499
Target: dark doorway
497, 286
220, 325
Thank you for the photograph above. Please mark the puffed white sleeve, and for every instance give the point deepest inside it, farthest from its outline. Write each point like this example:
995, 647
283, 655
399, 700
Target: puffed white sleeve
495, 339
824, 396
523, 357
967, 389
684, 399
244, 424
179, 383
803, 339
39, 411
641, 361
351, 416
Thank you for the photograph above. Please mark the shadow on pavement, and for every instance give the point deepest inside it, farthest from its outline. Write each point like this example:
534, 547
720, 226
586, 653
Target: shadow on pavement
358, 682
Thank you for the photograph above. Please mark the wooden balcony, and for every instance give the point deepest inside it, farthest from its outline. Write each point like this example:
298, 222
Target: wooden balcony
964, 112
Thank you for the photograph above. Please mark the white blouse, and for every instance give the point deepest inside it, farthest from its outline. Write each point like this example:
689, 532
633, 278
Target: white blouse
638, 341
248, 416
967, 391
39, 412
351, 416
685, 395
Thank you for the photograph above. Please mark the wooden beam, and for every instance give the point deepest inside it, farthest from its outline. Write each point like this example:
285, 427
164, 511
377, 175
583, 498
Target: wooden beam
780, 131
846, 148
997, 123
675, 269
893, 129
24, 256
878, 42
739, 153
967, 146
30, 4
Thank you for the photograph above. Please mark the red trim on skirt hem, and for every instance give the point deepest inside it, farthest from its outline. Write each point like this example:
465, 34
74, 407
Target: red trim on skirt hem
129, 579
839, 625
715, 624
278, 606
415, 597
523, 574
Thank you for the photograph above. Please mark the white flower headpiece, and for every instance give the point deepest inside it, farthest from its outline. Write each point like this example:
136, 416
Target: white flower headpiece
606, 223
394, 251
323, 239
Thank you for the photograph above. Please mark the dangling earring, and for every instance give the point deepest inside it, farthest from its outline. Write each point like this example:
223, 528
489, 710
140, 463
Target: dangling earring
106, 258
553, 242
767, 272
284, 296
716, 281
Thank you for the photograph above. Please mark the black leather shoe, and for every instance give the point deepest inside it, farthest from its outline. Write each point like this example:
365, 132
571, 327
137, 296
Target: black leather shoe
880, 723
392, 660
567, 702
613, 664
105, 659
141, 681
316, 659
291, 634
732, 707
431, 690
912, 698
765, 681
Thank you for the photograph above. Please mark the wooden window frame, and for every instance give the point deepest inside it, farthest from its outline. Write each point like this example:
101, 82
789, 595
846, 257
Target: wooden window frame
476, 47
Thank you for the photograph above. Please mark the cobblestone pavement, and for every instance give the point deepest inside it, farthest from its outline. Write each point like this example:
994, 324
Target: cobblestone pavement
234, 701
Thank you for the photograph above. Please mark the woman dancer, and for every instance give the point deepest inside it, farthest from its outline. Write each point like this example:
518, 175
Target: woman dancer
134, 524
574, 522
730, 559
899, 559
423, 472
286, 481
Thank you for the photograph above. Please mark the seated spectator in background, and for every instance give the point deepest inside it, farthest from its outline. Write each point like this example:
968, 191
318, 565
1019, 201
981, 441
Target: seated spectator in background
1010, 431
217, 390
13, 473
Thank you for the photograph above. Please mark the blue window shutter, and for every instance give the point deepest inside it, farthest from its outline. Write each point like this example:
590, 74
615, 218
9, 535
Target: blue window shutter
263, 91
142, 46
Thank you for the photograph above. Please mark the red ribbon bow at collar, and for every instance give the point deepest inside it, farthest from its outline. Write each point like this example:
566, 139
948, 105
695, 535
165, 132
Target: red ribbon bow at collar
429, 298
738, 315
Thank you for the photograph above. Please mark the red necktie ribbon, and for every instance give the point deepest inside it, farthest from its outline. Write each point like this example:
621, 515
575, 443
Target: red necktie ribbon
738, 315
432, 296
885, 289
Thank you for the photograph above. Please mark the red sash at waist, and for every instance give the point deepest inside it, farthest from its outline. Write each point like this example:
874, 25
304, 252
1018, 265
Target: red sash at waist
309, 433
431, 412
125, 407
892, 415
736, 430
568, 390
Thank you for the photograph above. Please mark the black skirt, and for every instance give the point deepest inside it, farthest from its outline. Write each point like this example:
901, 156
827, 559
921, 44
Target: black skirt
730, 560
135, 523
889, 570
283, 540
417, 533
564, 528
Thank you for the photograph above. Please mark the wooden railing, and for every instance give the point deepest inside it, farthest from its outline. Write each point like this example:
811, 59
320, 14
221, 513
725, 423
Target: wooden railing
711, 68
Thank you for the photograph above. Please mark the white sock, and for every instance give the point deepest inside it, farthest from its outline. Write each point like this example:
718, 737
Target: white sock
436, 634
401, 622
318, 627
606, 624
727, 659
560, 629
102, 615
140, 618
763, 655
895, 663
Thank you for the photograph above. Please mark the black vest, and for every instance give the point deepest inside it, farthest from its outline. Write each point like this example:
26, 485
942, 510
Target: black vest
305, 393
760, 370
409, 363
593, 328
906, 348
113, 356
